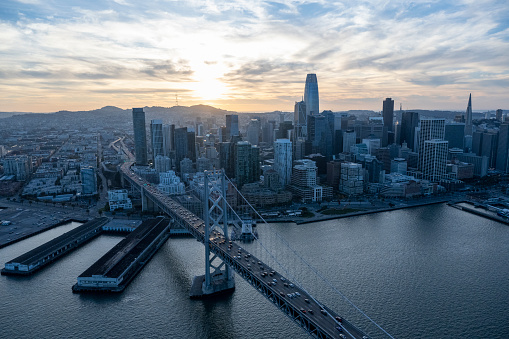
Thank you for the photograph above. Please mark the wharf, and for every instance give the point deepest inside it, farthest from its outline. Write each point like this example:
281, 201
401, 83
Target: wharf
115, 270
479, 210
45, 254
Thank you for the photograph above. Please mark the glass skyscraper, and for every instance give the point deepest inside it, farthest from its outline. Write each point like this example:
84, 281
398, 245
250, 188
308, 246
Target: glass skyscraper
140, 137
311, 95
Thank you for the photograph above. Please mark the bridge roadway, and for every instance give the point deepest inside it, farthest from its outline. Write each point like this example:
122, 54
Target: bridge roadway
314, 317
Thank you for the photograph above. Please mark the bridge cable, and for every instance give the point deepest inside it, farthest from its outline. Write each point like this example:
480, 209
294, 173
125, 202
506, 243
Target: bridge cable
310, 266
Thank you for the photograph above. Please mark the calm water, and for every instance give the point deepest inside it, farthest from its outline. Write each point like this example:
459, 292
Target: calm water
429, 272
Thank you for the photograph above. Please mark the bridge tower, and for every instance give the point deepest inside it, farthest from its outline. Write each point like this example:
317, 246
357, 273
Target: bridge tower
218, 276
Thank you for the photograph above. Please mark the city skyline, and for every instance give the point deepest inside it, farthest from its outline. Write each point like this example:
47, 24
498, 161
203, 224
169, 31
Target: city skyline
253, 57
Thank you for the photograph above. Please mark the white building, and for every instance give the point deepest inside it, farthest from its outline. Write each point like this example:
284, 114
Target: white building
170, 184
372, 144
283, 160
351, 180
119, 199
434, 159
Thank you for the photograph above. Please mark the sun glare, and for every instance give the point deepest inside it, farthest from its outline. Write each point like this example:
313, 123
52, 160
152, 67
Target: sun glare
207, 85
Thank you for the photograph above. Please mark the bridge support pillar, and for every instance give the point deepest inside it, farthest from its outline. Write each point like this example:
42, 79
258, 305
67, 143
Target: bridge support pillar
144, 200
218, 276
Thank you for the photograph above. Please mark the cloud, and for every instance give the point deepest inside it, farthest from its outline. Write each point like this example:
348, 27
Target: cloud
257, 52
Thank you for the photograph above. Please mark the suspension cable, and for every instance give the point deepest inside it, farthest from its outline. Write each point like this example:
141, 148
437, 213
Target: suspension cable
308, 264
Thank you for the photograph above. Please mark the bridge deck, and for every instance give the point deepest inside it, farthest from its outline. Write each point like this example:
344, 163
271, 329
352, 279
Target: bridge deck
302, 309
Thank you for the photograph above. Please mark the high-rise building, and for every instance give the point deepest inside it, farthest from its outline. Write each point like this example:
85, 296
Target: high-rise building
409, 121
156, 132
455, 134
429, 129
167, 139
283, 160
349, 139
311, 98
181, 145
499, 115
434, 159
162, 163
503, 148
253, 132
232, 126
320, 135
170, 184
300, 120
468, 117
247, 163
388, 113
140, 137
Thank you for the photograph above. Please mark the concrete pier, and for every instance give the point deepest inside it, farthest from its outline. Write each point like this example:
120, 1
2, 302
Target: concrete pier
220, 285
115, 270
47, 253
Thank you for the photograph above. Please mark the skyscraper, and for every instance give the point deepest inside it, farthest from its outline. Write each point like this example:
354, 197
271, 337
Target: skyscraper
499, 115
140, 137
430, 129
181, 145
468, 117
283, 160
434, 159
300, 120
409, 121
388, 113
232, 126
311, 95
156, 133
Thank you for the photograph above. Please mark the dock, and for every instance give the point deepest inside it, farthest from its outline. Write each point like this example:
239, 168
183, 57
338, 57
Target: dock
47, 253
115, 270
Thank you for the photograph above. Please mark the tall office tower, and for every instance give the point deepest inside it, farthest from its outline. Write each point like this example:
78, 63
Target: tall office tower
388, 113
454, 133
283, 160
429, 129
253, 132
140, 137
191, 146
499, 115
503, 148
468, 117
477, 142
232, 126
181, 147
156, 133
300, 120
320, 135
349, 139
88, 180
311, 95
489, 147
247, 163
268, 132
167, 136
409, 121
434, 159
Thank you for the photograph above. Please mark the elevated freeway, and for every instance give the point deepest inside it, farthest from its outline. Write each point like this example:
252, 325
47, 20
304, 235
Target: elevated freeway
306, 311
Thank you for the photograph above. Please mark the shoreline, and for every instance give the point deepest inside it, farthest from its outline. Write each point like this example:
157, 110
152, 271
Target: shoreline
303, 221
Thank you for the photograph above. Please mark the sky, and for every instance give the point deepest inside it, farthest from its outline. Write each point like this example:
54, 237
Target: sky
253, 56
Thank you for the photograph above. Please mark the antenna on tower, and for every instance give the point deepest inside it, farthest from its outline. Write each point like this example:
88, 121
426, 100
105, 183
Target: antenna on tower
400, 106
176, 100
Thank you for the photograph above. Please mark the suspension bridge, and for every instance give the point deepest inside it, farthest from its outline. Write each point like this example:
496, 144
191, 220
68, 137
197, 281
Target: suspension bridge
223, 256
